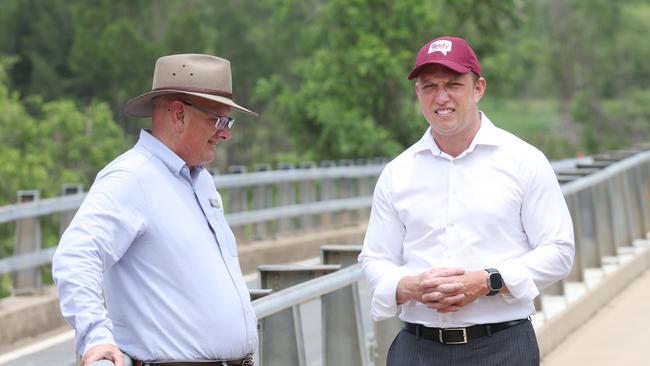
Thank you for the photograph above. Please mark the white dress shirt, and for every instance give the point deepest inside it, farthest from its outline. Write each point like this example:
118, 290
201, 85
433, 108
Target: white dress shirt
496, 205
153, 233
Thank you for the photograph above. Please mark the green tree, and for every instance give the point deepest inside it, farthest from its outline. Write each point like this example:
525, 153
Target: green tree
45, 144
40, 33
348, 95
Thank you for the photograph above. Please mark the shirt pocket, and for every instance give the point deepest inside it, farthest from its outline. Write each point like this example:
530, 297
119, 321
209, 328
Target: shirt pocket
225, 236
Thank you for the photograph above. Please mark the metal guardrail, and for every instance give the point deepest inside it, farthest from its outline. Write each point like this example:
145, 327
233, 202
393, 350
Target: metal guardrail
261, 205
59, 204
26, 261
306, 291
42, 207
254, 213
314, 208
296, 175
610, 208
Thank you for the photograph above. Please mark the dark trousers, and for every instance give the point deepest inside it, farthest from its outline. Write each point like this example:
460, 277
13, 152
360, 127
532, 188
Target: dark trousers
513, 346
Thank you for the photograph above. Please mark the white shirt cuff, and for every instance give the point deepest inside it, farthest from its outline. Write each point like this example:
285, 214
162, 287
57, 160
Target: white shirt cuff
521, 287
384, 299
98, 335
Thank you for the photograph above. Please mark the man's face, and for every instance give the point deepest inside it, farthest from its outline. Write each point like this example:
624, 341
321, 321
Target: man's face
199, 136
449, 100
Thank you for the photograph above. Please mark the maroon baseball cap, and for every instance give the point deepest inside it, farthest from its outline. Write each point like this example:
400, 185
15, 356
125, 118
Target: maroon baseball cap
452, 52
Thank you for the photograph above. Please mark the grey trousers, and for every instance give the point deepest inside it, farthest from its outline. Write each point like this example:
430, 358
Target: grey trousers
513, 346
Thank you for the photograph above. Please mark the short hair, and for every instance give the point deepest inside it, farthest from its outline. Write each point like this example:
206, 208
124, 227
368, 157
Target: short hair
475, 78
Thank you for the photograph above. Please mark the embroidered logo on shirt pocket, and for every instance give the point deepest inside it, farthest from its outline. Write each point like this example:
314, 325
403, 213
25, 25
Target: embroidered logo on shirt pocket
216, 203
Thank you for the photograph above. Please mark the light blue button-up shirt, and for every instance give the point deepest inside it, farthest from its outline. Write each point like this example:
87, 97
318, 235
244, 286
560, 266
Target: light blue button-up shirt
153, 233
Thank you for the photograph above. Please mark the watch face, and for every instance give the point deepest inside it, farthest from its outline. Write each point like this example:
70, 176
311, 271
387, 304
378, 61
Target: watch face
495, 281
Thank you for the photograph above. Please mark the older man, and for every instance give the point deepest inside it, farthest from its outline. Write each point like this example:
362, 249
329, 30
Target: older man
150, 241
467, 226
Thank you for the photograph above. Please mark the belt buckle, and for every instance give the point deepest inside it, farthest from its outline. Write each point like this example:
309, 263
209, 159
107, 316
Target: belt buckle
462, 330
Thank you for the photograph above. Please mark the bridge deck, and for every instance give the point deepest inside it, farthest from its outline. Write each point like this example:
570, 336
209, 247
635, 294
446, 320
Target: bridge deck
619, 334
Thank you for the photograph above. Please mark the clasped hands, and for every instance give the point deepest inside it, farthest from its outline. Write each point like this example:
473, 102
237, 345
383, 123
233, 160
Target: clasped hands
443, 289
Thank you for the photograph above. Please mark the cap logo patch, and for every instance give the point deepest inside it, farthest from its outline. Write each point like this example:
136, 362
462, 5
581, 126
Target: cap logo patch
443, 46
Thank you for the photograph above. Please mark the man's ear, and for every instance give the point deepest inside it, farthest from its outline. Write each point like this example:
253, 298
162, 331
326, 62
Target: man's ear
177, 114
479, 89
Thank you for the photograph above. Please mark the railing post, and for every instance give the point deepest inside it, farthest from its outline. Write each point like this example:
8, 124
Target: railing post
262, 198
27, 240
66, 217
587, 233
281, 338
327, 192
619, 212
635, 179
577, 272
238, 201
307, 194
365, 187
343, 254
344, 335
604, 232
644, 182
286, 197
631, 205
346, 190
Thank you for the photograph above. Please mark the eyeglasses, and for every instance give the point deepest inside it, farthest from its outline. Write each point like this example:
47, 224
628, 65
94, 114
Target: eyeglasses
220, 122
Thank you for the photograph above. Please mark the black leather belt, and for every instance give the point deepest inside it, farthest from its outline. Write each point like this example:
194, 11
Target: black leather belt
458, 335
246, 361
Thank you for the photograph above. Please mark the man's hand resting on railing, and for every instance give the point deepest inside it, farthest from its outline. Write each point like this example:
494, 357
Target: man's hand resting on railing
103, 352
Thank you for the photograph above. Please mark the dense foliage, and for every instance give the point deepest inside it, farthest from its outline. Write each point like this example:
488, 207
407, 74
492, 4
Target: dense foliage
328, 76
44, 144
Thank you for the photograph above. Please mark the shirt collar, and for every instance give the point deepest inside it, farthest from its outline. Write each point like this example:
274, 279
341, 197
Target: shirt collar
487, 134
173, 162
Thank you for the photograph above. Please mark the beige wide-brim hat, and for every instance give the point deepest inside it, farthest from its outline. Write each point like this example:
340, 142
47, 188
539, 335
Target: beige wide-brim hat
202, 76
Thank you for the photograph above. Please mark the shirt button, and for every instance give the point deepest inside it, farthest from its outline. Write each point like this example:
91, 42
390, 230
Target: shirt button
443, 319
450, 224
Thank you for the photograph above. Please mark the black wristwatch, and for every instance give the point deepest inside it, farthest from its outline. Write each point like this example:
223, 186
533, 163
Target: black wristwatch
494, 281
